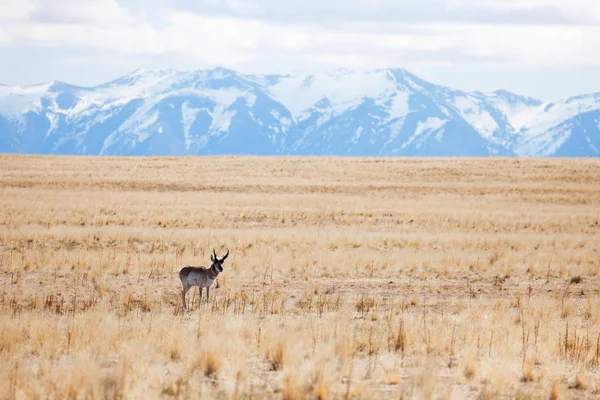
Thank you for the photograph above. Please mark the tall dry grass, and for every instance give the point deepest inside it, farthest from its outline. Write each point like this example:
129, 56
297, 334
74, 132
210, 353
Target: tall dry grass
348, 278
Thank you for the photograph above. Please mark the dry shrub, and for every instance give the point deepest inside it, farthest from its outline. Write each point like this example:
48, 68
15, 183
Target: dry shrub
469, 366
365, 304
400, 342
581, 381
209, 356
275, 354
321, 380
292, 389
175, 351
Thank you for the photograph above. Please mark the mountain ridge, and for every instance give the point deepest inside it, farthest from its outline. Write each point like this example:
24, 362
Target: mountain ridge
381, 112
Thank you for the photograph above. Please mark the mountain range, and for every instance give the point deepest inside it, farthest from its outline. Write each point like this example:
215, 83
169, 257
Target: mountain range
383, 112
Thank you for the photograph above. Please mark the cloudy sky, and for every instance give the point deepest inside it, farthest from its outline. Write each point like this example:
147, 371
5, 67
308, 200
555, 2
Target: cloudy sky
549, 49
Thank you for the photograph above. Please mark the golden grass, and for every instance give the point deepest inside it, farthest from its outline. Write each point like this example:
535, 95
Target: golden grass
348, 278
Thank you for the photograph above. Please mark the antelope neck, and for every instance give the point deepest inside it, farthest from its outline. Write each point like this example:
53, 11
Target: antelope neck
213, 271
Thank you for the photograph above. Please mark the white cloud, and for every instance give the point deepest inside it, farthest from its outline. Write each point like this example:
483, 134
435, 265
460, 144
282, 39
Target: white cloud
268, 34
16, 10
77, 61
107, 13
323, 11
585, 10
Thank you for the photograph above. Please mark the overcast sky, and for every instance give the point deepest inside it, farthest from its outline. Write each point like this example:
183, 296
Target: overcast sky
548, 49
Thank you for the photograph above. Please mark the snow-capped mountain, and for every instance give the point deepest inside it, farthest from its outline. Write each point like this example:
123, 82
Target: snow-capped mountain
342, 112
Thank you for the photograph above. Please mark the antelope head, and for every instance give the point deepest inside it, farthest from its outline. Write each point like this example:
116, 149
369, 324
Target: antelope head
217, 262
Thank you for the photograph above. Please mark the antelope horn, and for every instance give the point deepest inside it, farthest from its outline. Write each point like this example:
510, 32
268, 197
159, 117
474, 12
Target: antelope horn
224, 257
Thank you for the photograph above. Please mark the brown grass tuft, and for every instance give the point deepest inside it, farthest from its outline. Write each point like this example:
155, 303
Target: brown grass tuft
555, 391
275, 355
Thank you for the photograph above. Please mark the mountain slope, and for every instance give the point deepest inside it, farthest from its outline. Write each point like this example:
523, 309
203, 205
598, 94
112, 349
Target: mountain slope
388, 112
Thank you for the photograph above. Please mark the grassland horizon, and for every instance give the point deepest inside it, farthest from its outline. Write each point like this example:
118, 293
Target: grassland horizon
347, 278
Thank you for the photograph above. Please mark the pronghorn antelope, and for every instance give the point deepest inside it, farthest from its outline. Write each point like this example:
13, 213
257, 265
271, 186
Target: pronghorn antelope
201, 277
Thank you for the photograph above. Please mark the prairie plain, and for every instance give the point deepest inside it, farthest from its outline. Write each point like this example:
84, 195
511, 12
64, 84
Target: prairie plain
359, 278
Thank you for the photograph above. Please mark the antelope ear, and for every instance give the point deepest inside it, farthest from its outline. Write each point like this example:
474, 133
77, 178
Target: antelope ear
212, 258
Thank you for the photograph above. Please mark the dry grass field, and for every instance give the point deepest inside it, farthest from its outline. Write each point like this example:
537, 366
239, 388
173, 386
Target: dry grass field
348, 278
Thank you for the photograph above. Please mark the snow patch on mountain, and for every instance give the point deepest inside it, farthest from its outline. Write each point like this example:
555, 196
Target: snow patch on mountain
357, 134
589, 141
395, 103
431, 124
189, 115
18, 100
427, 127
343, 89
476, 115
394, 128
549, 115
544, 144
